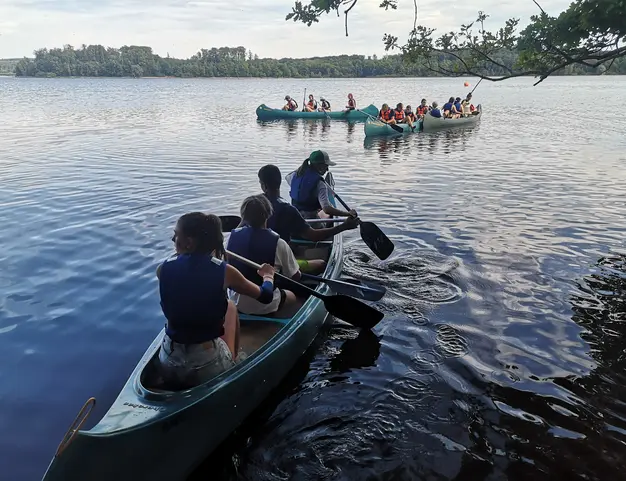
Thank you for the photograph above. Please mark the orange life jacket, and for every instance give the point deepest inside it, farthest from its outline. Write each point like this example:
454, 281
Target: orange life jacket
422, 110
386, 115
398, 114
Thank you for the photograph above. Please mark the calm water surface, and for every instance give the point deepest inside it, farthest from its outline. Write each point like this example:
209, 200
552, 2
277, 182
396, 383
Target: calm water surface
501, 354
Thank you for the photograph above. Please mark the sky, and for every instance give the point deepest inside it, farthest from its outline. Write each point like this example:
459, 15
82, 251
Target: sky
182, 27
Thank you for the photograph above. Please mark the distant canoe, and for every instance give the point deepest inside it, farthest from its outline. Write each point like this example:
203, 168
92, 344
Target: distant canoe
263, 112
436, 123
376, 128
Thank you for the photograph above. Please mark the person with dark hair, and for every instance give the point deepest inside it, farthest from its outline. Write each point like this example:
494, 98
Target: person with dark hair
351, 103
287, 221
291, 104
309, 191
422, 109
447, 108
254, 241
311, 105
202, 330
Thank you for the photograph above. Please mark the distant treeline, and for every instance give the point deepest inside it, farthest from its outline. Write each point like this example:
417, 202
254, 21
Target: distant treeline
137, 61
7, 65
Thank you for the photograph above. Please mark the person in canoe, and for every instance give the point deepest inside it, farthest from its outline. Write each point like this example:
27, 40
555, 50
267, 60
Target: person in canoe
410, 115
202, 330
447, 108
385, 114
422, 109
458, 108
308, 190
434, 110
256, 242
324, 105
401, 118
291, 104
287, 221
351, 103
311, 105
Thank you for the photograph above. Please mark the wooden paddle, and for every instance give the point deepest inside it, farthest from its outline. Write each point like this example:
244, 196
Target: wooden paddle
393, 126
346, 308
357, 289
375, 238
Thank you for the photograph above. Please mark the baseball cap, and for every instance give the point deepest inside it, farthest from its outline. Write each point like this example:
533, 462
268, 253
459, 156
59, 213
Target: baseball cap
320, 157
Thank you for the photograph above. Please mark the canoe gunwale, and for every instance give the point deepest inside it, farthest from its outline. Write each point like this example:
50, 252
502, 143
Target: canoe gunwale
265, 113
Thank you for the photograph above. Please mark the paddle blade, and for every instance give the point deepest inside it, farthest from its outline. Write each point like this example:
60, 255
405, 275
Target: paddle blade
353, 311
376, 240
396, 128
229, 222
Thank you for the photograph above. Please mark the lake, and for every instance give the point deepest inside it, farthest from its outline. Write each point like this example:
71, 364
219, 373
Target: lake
501, 353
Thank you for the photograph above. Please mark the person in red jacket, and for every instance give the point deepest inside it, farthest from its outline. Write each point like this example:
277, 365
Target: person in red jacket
400, 117
386, 115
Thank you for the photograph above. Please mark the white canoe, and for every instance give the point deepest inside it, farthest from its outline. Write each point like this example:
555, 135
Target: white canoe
435, 123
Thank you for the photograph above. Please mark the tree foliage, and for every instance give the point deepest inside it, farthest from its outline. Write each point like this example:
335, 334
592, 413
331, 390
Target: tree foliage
590, 33
138, 61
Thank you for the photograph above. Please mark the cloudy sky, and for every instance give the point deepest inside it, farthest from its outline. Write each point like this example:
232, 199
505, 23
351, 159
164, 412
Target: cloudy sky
181, 27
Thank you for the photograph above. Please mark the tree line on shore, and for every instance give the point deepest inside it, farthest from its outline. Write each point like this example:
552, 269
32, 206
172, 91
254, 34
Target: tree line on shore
140, 61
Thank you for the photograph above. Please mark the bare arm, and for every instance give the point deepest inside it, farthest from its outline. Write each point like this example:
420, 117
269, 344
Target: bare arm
238, 283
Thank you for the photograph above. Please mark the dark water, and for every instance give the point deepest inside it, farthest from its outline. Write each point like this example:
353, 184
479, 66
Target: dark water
501, 354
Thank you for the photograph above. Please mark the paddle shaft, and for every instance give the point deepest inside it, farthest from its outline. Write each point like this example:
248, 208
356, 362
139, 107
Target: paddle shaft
304, 101
477, 84
312, 292
338, 285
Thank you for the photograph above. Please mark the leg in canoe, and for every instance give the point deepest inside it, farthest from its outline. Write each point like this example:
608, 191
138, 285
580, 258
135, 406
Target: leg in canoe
202, 330
256, 242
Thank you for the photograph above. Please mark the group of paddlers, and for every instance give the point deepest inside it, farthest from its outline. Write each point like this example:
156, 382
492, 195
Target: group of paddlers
313, 106
452, 109
205, 287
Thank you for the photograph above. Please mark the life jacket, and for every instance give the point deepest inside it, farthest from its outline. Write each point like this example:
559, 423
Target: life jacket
410, 115
258, 245
303, 190
447, 106
279, 221
352, 103
325, 104
472, 108
398, 114
386, 115
312, 104
193, 298
457, 106
293, 105
422, 110
436, 113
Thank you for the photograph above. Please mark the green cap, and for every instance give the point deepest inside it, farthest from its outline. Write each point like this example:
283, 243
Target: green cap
320, 157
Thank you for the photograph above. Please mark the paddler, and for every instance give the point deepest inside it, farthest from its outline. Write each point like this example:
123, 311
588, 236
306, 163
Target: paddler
291, 104
351, 102
257, 243
287, 221
325, 105
308, 190
311, 105
202, 330
386, 115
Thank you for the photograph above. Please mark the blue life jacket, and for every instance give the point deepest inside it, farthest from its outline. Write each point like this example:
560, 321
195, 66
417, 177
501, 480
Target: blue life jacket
279, 222
193, 298
303, 191
435, 113
258, 245
458, 106
447, 106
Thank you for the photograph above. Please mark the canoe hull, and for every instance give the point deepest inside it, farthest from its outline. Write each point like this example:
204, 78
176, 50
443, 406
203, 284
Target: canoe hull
433, 123
165, 435
263, 112
376, 128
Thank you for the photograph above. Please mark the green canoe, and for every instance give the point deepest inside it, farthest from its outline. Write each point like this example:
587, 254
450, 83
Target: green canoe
154, 434
438, 123
263, 112
376, 128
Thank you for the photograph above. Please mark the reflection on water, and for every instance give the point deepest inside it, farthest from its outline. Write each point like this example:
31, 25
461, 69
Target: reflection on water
500, 355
